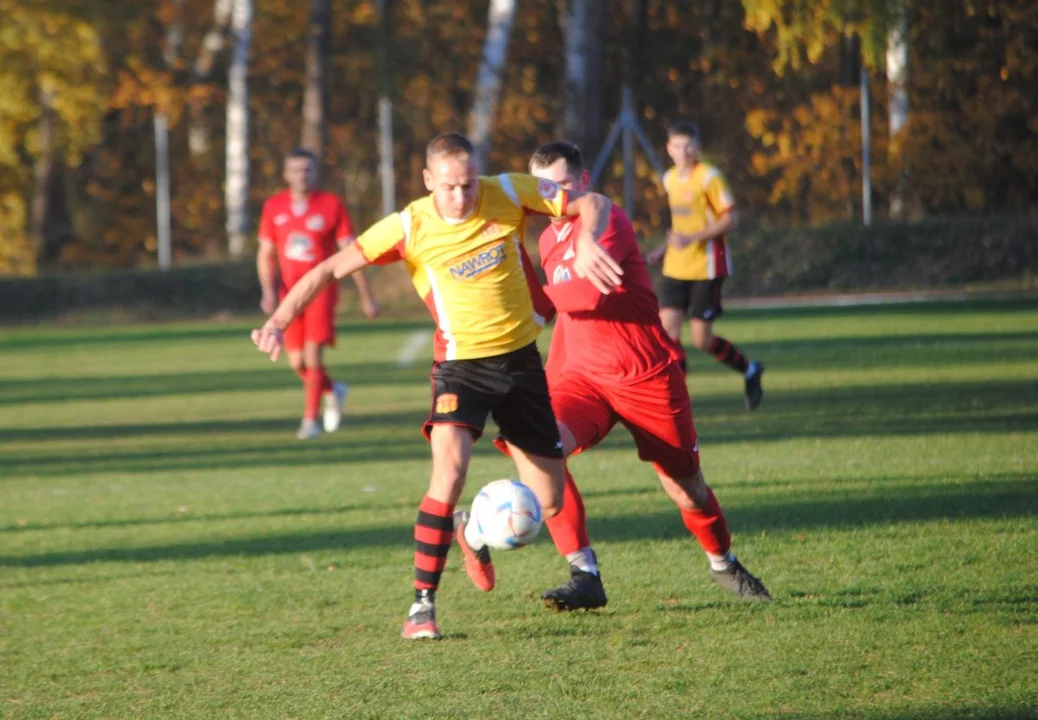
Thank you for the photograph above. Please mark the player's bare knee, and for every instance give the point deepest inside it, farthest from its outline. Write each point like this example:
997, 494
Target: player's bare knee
296, 362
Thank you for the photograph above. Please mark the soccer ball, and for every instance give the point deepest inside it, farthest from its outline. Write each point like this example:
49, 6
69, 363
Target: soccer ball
507, 514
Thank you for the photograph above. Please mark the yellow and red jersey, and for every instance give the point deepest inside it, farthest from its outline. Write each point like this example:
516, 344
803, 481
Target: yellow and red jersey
697, 200
469, 272
303, 234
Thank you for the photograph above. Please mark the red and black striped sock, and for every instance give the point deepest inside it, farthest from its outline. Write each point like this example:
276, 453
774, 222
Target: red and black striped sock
433, 533
724, 352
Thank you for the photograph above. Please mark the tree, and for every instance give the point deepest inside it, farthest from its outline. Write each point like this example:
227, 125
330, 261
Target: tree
575, 89
897, 101
54, 82
314, 88
488, 85
237, 179
213, 43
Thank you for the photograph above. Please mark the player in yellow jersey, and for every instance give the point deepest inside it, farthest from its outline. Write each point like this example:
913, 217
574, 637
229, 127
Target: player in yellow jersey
695, 256
461, 245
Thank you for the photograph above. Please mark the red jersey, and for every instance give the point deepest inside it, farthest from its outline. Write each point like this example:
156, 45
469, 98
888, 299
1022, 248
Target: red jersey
612, 338
304, 234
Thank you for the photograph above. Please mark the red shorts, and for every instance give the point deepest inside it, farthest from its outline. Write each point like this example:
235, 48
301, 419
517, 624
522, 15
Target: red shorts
316, 323
656, 411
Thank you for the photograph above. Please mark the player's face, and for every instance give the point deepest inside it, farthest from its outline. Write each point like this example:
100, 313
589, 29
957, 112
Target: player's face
454, 184
683, 150
300, 175
558, 172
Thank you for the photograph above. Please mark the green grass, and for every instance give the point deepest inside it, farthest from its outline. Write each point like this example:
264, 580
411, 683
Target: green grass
169, 550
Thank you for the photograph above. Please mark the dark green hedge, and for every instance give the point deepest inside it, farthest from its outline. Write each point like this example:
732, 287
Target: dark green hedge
192, 290
935, 253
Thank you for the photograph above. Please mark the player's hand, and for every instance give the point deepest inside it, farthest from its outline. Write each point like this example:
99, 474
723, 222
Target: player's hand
654, 256
268, 339
595, 264
678, 241
268, 303
370, 308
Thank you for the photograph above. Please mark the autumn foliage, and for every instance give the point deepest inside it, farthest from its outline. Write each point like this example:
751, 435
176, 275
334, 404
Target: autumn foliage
80, 82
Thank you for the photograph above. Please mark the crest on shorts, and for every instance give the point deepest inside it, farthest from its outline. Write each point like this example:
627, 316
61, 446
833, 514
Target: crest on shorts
446, 404
547, 189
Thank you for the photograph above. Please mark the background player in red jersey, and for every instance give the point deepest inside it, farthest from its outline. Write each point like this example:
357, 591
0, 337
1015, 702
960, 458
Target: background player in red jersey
611, 361
300, 227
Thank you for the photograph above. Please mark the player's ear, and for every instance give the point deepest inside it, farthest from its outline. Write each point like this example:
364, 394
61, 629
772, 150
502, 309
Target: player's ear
428, 178
585, 180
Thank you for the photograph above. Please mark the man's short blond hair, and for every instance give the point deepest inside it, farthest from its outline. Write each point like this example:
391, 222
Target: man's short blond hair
449, 144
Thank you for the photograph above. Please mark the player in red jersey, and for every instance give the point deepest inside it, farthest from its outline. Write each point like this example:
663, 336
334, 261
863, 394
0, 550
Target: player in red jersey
300, 227
611, 361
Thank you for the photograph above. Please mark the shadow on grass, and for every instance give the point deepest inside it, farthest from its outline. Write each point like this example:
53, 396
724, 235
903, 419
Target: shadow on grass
160, 333
1007, 496
1006, 710
266, 377
844, 412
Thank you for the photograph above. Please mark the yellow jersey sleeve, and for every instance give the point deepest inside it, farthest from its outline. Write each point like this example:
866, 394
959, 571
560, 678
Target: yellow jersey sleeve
536, 195
718, 194
385, 240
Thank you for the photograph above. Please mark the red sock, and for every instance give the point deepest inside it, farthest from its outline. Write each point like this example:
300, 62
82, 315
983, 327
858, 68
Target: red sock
433, 533
569, 528
709, 526
315, 383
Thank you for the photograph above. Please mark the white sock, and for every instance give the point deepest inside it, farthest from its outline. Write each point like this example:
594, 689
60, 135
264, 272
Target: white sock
721, 562
472, 536
584, 559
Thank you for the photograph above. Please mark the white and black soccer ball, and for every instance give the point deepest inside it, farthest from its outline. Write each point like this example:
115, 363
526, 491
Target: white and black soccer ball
507, 514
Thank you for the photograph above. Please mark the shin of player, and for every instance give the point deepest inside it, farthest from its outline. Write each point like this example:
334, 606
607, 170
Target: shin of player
300, 227
696, 258
611, 362
461, 244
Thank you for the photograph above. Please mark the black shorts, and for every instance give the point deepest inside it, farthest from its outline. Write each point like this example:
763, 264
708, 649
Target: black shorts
700, 299
511, 388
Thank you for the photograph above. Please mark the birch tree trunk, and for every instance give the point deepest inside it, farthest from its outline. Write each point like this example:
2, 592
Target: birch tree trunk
198, 132
576, 78
594, 130
314, 92
897, 101
237, 173
488, 84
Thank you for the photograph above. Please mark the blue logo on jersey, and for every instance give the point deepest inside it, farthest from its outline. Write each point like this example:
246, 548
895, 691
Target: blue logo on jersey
560, 275
479, 263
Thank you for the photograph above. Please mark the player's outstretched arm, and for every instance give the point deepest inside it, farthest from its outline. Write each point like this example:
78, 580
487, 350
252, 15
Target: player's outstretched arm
266, 264
347, 261
593, 262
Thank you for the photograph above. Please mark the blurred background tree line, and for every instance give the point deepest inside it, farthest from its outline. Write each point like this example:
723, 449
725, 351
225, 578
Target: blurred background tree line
772, 84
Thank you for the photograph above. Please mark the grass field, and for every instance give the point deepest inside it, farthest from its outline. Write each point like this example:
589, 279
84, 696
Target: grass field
169, 550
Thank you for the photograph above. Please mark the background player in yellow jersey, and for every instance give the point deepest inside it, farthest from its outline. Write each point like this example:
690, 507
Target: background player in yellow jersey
462, 248
695, 256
